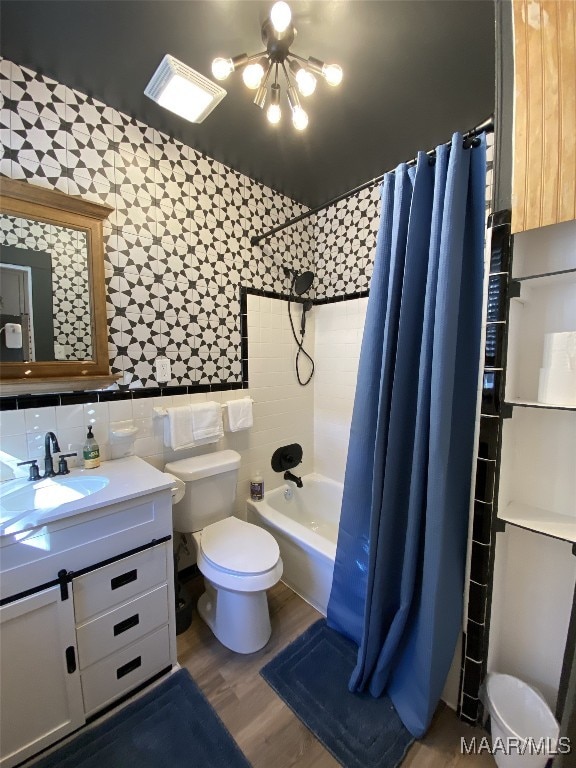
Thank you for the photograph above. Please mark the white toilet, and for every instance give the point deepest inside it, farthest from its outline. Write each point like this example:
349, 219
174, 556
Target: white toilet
239, 561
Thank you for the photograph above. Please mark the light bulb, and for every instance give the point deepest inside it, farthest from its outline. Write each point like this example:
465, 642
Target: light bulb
274, 113
306, 82
299, 118
332, 74
252, 75
221, 68
280, 16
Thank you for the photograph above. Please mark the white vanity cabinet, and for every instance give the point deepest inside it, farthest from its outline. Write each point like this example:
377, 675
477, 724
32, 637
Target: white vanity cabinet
87, 609
41, 695
122, 625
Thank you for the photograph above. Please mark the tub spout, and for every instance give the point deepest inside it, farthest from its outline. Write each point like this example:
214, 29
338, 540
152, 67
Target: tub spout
297, 480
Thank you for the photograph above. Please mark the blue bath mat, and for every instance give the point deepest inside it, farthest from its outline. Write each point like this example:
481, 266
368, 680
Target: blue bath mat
172, 726
311, 675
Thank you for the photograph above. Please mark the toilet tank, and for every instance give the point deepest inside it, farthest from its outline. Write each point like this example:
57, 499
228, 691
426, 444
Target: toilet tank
210, 481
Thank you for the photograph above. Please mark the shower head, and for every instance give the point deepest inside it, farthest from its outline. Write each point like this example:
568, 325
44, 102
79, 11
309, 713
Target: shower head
300, 282
303, 282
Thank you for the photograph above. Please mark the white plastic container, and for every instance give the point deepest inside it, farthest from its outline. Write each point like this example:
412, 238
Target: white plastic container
519, 712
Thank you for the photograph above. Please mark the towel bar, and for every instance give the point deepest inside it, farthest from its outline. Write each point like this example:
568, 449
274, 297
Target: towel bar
161, 412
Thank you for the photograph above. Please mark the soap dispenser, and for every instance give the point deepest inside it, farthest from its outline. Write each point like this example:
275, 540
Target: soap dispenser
91, 451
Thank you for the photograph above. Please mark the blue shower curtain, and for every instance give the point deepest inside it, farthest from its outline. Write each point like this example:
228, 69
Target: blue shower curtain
398, 579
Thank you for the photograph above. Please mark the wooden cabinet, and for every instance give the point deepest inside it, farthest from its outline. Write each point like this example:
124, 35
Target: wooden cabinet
41, 693
544, 149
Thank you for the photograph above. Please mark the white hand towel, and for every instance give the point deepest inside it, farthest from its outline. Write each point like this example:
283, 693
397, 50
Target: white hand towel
240, 414
188, 426
207, 421
178, 428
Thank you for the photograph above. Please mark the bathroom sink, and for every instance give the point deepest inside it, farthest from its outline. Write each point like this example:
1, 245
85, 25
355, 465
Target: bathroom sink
50, 493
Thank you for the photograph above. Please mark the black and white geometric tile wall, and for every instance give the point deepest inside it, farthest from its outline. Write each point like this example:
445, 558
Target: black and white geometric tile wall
177, 245
345, 237
70, 293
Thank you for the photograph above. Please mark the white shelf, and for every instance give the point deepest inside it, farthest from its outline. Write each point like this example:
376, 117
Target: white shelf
550, 278
548, 308
540, 521
536, 404
545, 250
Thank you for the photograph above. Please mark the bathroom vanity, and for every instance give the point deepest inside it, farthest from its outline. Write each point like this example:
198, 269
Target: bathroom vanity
86, 598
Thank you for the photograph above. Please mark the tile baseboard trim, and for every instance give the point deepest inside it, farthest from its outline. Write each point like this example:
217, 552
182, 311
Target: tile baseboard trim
22, 402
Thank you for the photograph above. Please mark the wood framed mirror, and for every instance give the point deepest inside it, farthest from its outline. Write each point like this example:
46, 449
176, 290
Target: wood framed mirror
53, 333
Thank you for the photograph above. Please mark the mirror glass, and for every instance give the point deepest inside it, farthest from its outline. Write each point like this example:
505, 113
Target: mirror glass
53, 329
44, 292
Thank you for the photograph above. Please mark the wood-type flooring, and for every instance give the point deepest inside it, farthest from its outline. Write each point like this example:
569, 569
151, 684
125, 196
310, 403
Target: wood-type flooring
266, 730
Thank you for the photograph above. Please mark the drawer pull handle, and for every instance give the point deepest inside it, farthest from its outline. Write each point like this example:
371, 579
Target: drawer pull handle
123, 579
70, 660
129, 667
128, 623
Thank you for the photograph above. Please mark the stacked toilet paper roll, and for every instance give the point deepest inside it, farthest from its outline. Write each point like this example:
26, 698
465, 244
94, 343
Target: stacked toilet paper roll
557, 385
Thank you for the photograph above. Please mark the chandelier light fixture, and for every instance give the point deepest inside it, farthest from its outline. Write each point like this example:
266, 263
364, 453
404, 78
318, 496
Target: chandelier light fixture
260, 71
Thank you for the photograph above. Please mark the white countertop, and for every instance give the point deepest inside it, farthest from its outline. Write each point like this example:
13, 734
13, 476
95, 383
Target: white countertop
128, 478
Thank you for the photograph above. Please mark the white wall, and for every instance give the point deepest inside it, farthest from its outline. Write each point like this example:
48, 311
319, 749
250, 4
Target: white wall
538, 462
339, 329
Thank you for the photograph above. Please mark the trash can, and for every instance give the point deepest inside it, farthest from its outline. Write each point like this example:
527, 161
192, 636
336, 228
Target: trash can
524, 730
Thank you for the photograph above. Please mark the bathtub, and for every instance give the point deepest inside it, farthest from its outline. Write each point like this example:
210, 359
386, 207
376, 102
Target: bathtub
304, 522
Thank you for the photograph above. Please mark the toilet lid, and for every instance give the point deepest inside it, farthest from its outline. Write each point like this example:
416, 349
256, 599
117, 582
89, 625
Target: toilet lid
237, 546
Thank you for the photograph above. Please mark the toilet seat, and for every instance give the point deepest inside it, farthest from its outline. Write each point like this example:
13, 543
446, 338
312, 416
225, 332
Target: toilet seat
225, 541
239, 547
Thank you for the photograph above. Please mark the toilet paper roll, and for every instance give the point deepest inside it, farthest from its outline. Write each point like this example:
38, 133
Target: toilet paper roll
557, 386
560, 350
178, 488
557, 359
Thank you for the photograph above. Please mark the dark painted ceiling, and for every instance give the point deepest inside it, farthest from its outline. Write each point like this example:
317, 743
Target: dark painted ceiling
414, 72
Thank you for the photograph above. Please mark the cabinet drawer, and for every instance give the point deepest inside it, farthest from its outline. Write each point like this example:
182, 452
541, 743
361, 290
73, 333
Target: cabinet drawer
121, 626
115, 675
118, 582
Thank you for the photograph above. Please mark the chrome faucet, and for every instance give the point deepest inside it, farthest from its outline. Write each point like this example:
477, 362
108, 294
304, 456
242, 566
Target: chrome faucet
48, 465
297, 480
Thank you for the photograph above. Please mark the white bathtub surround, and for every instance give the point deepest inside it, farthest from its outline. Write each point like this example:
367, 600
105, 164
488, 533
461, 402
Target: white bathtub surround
283, 410
338, 338
304, 521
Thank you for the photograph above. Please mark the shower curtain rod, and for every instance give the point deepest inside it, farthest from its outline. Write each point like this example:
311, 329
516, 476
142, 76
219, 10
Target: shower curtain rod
486, 127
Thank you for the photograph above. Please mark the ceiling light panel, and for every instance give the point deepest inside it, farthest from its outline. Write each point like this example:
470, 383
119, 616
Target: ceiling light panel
184, 91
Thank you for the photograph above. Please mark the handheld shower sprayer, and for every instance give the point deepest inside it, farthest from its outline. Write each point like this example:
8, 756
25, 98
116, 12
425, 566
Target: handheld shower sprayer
300, 284
306, 307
